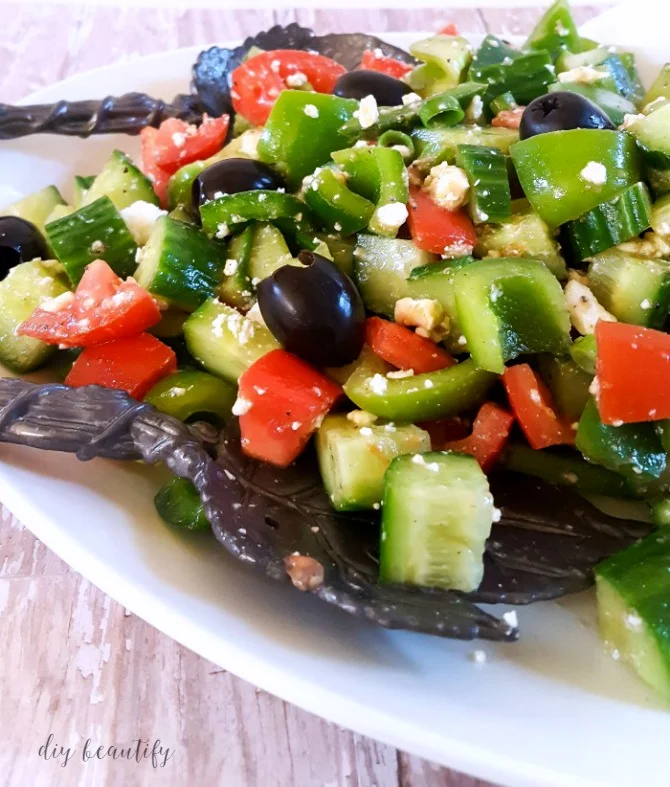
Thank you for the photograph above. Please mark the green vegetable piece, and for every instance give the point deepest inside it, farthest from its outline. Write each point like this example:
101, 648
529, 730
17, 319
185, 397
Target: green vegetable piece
179, 504
353, 461
297, 142
503, 103
341, 250
623, 70
192, 395
583, 353
434, 145
26, 287
660, 216
96, 231
490, 197
660, 87
336, 205
659, 510
632, 288
36, 208
390, 118
659, 181
436, 517
566, 468
493, 50
422, 397
653, 135
236, 288
399, 141
526, 76
616, 107
445, 59
181, 213
180, 265
225, 342
122, 182
269, 252
556, 30
448, 108
171, 325
612, 222
567, 60
632, 592
568, 384
510, 307
80, 186
566, 189
632, 450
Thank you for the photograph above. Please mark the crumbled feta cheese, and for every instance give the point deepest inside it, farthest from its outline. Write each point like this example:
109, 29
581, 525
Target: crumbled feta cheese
458, 249
296, 425
249, 142
447, 185
97, 247
428, 384
402, 149
392, 215
433, 467
663, 228
378, 384
494, 292
365, 431
496, 515
650, 245
140, 218
594, 388
645, 304
362, 143
275, 65
337, 226
418, 459
58, 303
475, 109
260, 391
585, 311
478, 656
376, 506
367, 112
390, 428
377, 52
411, 98
424, 313
633, 621
241, 406
222, 231
535, 396
296, 80
400, 374
629, 120
361, 418
618, 422
179, 139
254, 314
511, 618
462, 341
585, 75
311, 111
230, 267
594, 172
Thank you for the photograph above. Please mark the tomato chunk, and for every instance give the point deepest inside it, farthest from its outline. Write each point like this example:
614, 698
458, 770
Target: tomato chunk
102, 309
133, 365
438, 230
633, 373
386, 65
281, 402
490, 432
534, 408
403, 348
258, 81
450, 29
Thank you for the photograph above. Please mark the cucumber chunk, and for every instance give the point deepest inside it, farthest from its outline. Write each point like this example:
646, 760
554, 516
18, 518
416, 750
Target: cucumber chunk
633, 588
653, 135
36, 207
486, 168
434, 145
26, 287
122, 182
96, 231
80, 185
437, 515
569, 385
353, 461
583, 353
225, 342
179, 264
236, 289
269, 252
178, 503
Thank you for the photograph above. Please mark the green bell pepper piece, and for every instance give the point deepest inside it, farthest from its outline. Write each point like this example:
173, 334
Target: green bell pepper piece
379, 175
448, 108
297, 139
526, 76
178, 503
583, 353
550, 167
422, 397
435, 145
659, 510
503, 102
556, 30
508, 307
611, 103
399, 141
445, 61
632, 450
569, 385
660, 88
338, 207
491, 51
188, 393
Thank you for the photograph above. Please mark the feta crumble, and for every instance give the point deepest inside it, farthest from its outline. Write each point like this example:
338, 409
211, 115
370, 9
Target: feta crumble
140, 218
475, 109
254, 314
367, 112
296, 80
633, 621
361, 418
645, 304
411, 98
378, 384
97, 247
58, 303
585, 311
311, 111
230, 267
249, 142
424, 313
241, 406
594, 172
400, 374
629, 120
584, 75
447, 185
418, 459
222, 231
392, 215
365, 431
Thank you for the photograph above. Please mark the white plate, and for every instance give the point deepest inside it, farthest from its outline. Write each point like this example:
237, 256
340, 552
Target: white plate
550, 710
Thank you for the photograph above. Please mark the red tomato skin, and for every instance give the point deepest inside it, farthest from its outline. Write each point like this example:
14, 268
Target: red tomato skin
633, 373
450, 29
403, 348
104, 309
256, 83
490, 433
287, 401
534, 409
133, 365
435, 229
385, 65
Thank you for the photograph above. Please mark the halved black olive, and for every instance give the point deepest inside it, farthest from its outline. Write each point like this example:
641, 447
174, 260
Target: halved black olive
231, 176
20, 241
315, 311
388, 91
561, 111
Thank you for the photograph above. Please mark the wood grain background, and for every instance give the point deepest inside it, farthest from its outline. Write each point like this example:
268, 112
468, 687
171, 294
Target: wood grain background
73, 662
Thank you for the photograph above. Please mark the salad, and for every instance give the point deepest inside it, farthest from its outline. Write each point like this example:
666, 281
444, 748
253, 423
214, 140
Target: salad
429, 268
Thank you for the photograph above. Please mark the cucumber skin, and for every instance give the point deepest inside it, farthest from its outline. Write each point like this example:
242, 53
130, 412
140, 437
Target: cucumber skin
122, 182
178, 504
21, 292
37, 207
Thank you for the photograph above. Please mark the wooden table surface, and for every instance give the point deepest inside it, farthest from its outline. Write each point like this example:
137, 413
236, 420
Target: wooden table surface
74, 663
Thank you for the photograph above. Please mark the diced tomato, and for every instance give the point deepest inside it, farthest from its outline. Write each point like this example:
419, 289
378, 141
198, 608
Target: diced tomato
633, 373
258, 81
449, 29
490, 433
385, 65
446, 430
509, 118
403, 348
133, 365
103, 309
177, 143
283, 401
435, 229
534, 408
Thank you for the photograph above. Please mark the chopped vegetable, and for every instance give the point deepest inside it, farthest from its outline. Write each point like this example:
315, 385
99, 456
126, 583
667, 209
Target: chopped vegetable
438, 230
403, 348
490, 432
386, 65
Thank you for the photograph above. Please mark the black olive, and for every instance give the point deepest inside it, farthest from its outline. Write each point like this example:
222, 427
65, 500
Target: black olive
231, 176
388, 91
315, 311
20, 241
561, 111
